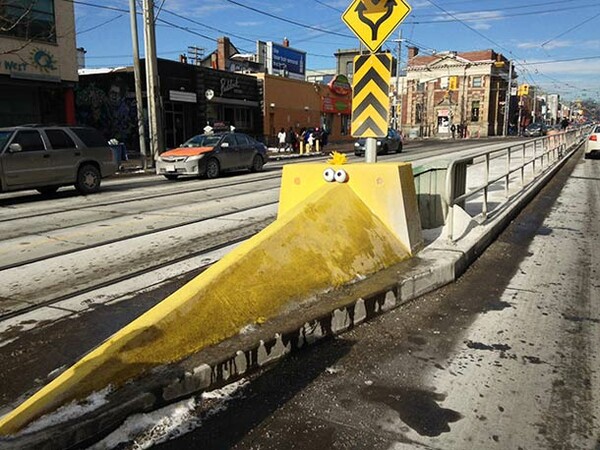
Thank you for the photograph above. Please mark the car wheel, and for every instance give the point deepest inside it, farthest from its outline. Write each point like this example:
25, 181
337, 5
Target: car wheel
212, 168
384, 151
257, 164
88, 179
47, 191
171, 177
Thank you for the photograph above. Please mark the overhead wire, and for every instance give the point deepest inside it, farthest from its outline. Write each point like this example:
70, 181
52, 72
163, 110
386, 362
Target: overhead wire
99, 25
454, 17
571, 29
484, 37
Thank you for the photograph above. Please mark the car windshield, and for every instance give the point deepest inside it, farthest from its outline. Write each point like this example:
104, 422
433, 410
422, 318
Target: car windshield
203, 140
4, 137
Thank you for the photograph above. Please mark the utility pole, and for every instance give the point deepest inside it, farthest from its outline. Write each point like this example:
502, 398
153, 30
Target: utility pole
507, 98
152, 81
534, 112
399, 89
520, 114
196, 54
138, 83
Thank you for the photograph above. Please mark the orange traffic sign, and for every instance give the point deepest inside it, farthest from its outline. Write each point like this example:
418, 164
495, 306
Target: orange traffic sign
374, 20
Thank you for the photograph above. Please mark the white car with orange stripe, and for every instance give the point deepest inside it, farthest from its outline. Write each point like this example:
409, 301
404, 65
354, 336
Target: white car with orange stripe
210, 154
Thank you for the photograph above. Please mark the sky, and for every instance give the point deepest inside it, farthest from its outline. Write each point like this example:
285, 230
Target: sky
555, 44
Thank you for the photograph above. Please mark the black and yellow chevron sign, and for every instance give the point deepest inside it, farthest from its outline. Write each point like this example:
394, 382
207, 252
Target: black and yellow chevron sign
370, 100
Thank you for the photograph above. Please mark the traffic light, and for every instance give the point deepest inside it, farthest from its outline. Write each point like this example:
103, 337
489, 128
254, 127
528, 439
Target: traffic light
453, 84
523, 90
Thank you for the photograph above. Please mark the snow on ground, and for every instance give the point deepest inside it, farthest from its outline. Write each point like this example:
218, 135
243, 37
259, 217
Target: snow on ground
142, 431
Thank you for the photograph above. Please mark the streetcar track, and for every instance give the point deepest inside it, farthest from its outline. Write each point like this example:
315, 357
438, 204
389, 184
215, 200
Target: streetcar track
133, 236
233, 183
130, 275
117, 215
149, 197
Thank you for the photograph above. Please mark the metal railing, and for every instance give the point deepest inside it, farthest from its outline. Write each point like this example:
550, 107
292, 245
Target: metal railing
513, 168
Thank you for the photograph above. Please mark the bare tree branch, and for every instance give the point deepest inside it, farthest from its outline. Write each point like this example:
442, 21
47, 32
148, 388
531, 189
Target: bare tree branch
10, 23
5, 19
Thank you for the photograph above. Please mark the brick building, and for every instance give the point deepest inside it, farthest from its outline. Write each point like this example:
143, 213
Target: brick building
301, 104
467, 88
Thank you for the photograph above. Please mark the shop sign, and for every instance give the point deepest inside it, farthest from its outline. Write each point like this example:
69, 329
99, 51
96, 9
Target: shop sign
333, 106
38, 60
229, 84
185, 97
340, 85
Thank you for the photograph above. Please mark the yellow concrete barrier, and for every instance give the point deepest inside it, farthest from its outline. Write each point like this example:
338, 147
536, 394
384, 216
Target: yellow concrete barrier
335, 225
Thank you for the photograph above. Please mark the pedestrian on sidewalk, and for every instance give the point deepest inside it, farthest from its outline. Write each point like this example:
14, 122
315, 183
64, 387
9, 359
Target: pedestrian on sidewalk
302, 140
310, 140
453, 130
289, 139
281, 140
459, 130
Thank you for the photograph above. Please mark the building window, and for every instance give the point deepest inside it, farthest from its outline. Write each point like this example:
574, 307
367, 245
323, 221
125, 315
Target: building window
477, 83
475, 111
418, 113
345, 128
420, 87
350, 69
444, 81
28, 19
243, 118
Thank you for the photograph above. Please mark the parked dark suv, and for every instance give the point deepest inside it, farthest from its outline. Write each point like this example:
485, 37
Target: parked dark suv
45, 157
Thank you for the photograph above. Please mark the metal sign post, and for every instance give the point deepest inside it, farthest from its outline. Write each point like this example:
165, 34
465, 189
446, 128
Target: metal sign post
371, 150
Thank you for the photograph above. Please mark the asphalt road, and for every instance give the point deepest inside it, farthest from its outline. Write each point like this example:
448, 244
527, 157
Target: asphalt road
505, 358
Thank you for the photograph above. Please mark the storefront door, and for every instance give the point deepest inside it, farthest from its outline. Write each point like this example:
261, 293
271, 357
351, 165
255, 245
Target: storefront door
174, 125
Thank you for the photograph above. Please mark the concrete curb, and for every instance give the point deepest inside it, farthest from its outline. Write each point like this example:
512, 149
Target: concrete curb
317, 318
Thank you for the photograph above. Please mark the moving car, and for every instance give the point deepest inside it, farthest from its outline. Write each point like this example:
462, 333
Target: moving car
535, 129
210, 154
592, 146
391, 143
46, 157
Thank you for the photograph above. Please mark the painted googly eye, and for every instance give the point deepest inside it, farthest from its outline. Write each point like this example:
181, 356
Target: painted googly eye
341, 176
329, 175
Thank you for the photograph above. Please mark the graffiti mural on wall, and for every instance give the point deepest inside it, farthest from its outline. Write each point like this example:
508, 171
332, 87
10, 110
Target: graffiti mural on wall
109, 107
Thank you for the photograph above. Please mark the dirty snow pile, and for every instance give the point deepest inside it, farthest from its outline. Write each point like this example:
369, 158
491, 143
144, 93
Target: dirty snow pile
142, 431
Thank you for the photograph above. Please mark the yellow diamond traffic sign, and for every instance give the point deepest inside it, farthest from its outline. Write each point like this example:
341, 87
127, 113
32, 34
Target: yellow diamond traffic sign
374, 20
